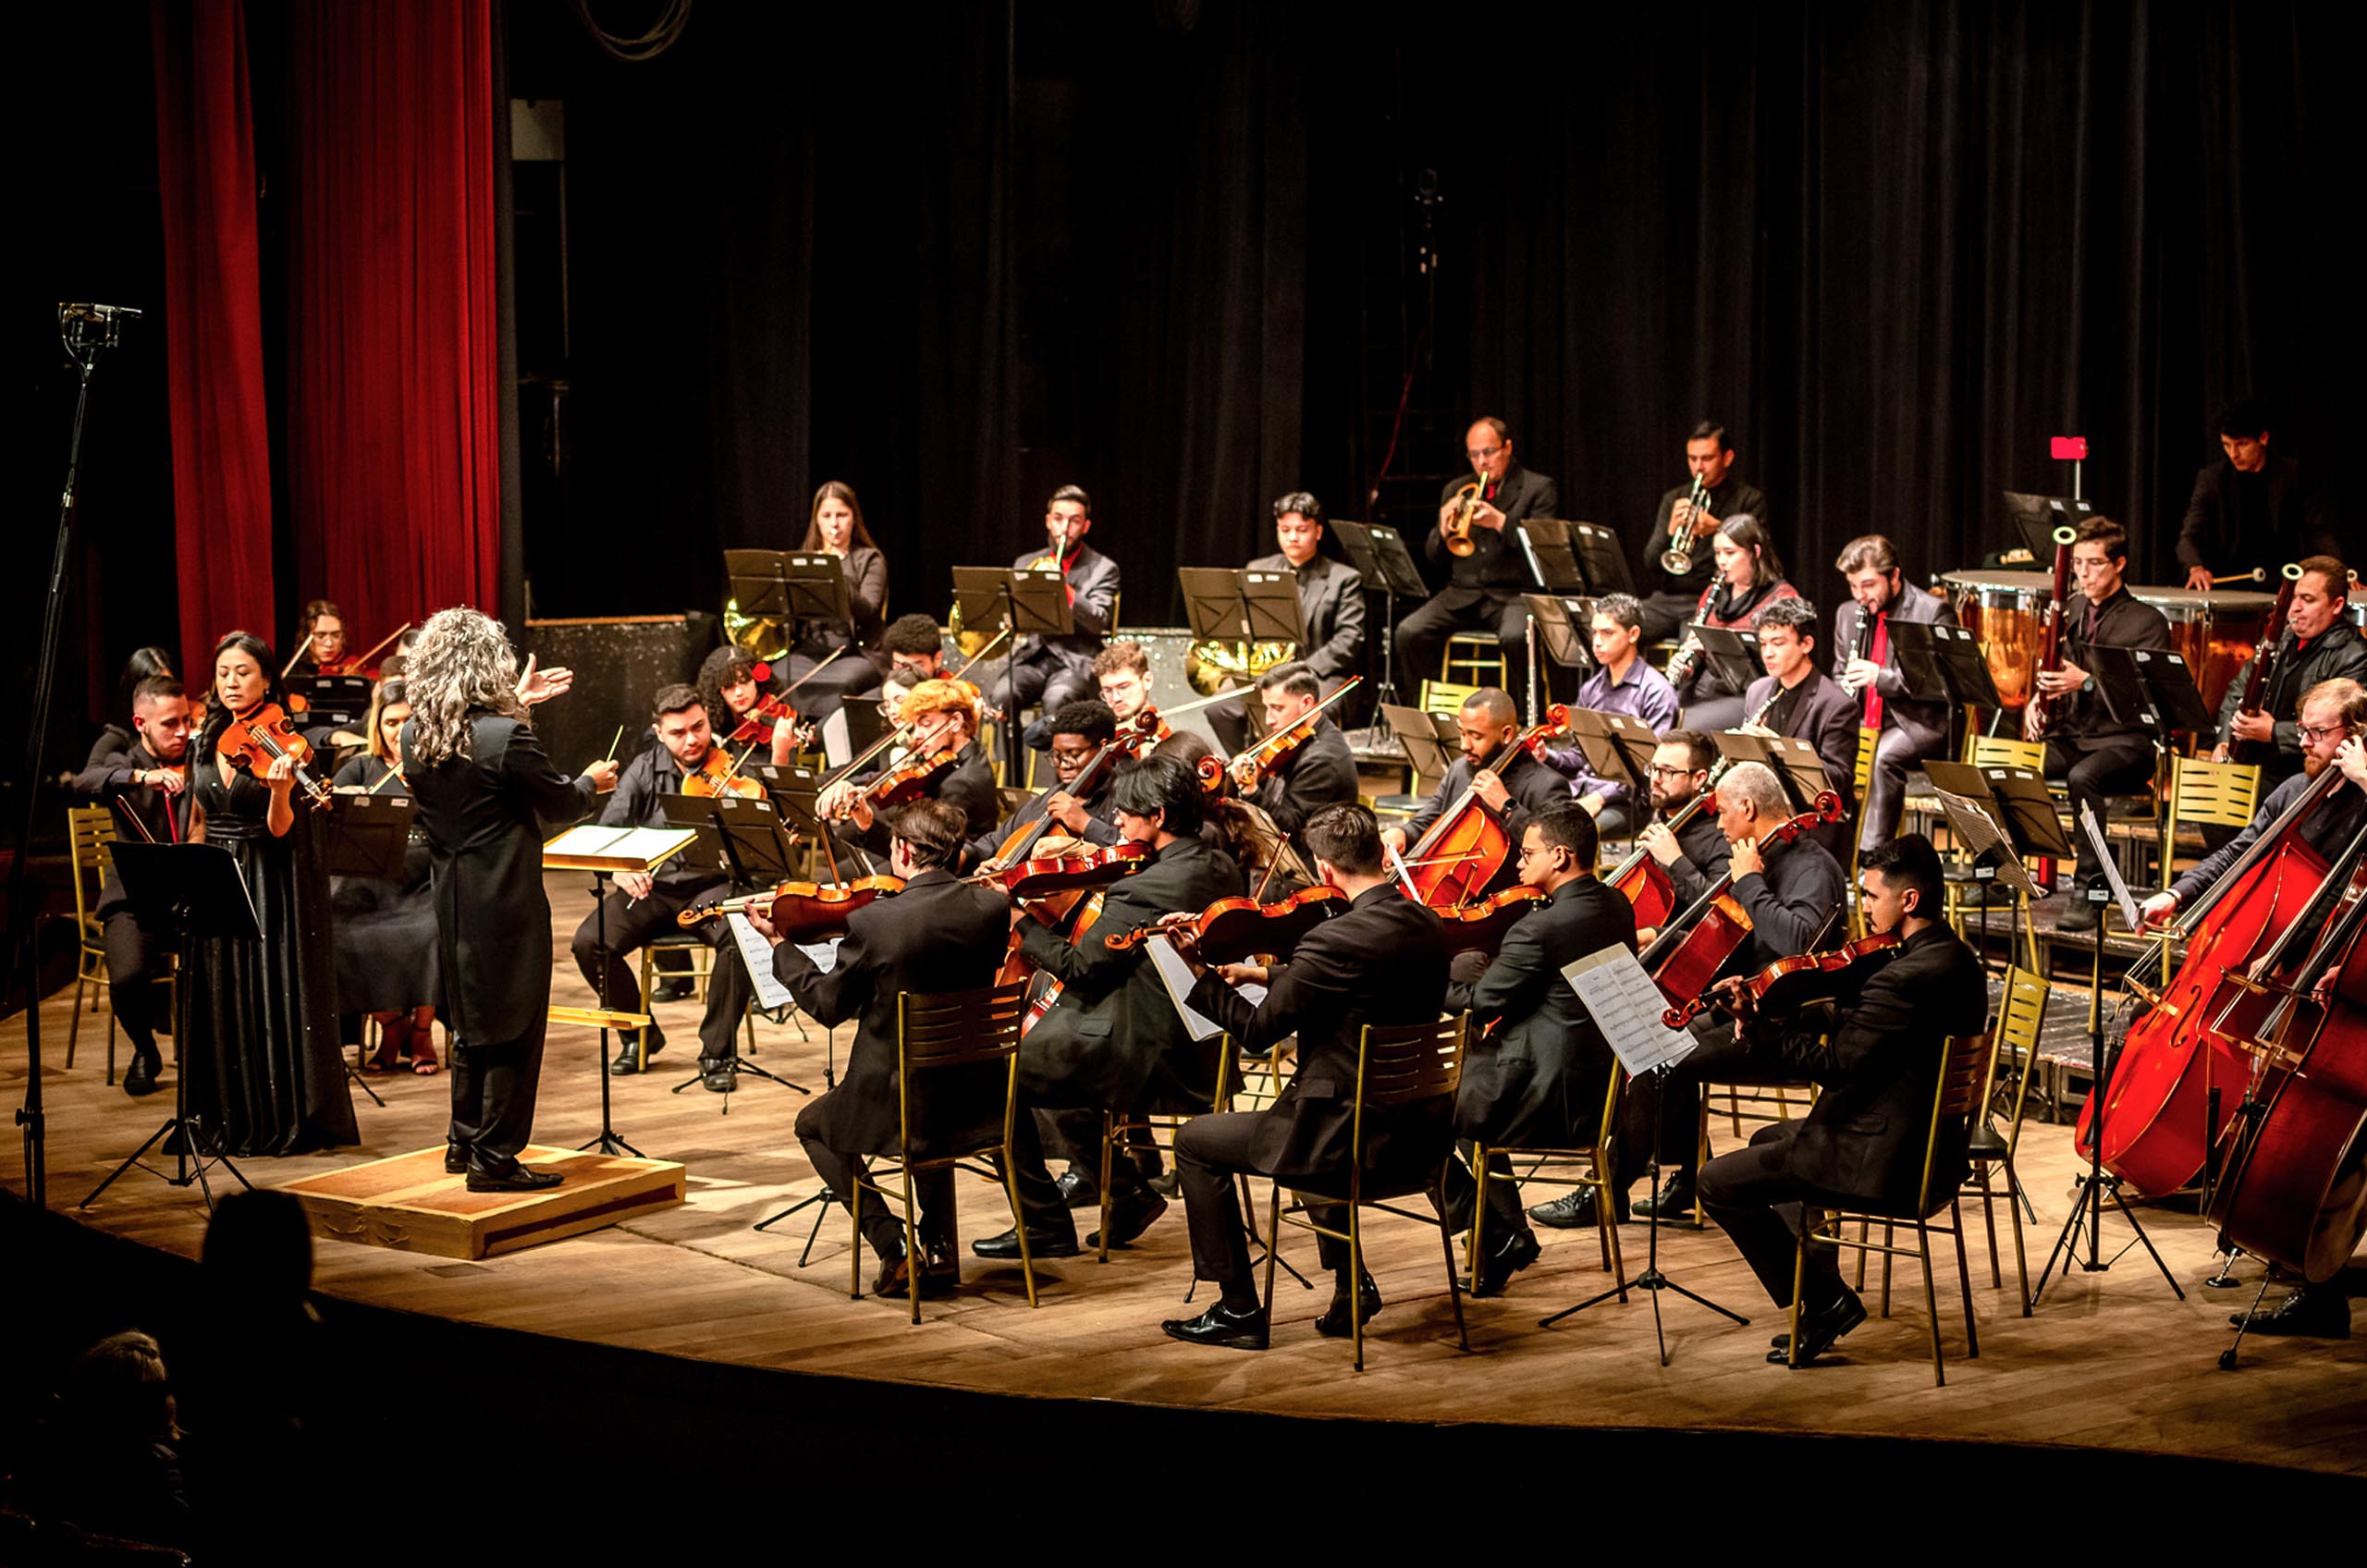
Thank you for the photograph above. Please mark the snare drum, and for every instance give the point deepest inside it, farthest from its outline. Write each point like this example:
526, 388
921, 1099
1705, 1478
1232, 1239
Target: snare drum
2216, 629
2005, 611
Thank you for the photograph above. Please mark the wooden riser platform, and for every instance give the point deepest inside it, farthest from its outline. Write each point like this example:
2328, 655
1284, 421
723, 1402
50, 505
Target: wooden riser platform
411, 1204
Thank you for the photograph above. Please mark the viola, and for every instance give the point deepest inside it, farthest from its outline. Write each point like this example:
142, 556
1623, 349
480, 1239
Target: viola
801, 912
1790, 984
1232, 929
910, 781
1480, 926
1465, 851
1250, 767
718, 775
1686, 957
1032, 881
755, 725
260, 736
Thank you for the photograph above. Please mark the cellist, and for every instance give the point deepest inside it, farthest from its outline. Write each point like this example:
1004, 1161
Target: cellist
1508, 781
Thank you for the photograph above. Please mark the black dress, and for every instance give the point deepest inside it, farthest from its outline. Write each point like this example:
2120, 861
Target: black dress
385, 927
265, 1073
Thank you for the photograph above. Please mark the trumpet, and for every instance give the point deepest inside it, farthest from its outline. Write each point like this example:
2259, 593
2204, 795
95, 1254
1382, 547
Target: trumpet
1677, 559
1457, 529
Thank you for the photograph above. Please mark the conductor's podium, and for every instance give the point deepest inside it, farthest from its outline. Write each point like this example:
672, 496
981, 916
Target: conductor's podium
411, 1204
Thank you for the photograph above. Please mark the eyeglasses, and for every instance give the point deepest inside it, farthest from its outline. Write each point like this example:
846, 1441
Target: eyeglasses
2324, 732
1480, 453
1659, 771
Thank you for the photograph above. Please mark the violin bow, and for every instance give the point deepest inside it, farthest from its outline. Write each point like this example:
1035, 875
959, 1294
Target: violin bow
133, 817
1404, 875
810, 674
380, 646
1302, 721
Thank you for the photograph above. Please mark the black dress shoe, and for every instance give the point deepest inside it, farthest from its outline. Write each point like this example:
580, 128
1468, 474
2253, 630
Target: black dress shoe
1040, 1243
1820, 1329
456, 1159
514, 1177
629, 1058
678, 988
1573, 1210
2318, 1311
1675, 1206
1077, 1188
1130, 1216
2077, 915
1167, 1184
1233, 1328
1517, 1252
941, 1273
895, 1276
719, 1077
1333, 1324
139, 1078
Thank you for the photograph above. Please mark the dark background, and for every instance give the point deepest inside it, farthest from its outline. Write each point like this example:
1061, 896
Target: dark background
956, 254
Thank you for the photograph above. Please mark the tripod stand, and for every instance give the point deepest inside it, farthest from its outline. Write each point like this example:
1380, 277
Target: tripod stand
1652, 1279
823, 1197
708, 816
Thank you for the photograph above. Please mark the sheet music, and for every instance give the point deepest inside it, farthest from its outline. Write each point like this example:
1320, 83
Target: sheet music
616, 849
837, 746
759, 955
1626, 1006
2111, 868
1176, 975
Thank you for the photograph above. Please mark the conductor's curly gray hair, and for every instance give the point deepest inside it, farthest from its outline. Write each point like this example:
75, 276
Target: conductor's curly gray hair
461, 663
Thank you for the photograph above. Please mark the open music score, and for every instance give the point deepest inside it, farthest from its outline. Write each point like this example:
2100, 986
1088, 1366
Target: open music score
594, 848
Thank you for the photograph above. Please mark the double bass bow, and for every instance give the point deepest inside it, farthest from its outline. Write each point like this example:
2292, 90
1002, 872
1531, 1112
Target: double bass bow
1686, 957
1467, 846
2268, 659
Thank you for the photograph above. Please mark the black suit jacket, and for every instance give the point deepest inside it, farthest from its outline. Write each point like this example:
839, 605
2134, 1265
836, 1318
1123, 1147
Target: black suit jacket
1114, 1038
1862, 1142
2123, 621
968, 784
2212, 536
1536, 1080
937, 935
1925, 723
1331, 601
1320, 773
106, 775
1382, 960
485, 817
1825, 716
1100, 826
1791, 905
1093, 582
1496, 570
1705, 854
2339, 651
1531, 784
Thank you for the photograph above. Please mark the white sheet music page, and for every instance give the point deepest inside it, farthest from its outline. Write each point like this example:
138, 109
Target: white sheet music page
1626, 1006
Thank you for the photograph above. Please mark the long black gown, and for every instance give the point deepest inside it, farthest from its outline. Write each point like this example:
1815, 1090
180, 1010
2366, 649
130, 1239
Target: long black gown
385, 928
265, 1076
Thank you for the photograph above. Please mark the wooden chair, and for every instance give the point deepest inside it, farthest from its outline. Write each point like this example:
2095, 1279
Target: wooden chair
946, 1032
1395, 1068
1476, 657
1964, 1068
89, 832
1445, 698
2021, 1009
1601, 1160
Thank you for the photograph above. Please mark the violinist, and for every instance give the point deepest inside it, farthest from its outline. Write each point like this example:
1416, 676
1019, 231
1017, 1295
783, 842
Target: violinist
1691, 510
1054, 669
2095, 753
327, 651
1122, 675
1317, 772
146, 773
2319, 645
1861, 1144
742, 711
1797, 699
264, 1071
944, 717
644, 904
384, 938
1535, 1074
834, 526
1113, 1040
1623, 682
1080, 730
1749, 577
119, 732
937, 935
916, 650
1382, 961
1866, 663
1484, 586
1509, 782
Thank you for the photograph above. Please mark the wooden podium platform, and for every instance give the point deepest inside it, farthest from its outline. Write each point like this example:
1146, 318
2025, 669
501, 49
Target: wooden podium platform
411, 1204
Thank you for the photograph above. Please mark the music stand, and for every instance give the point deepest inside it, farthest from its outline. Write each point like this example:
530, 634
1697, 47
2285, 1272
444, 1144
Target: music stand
1618, 748
1227, 604
1795, 761
603, 851
787, 585
335, 699
192, 890
2036, 517
743, 839
1731, 651
2152, 686
1552, 555
1380, 558
1431, 742
1939, 662
368, 836
1031, 603
1986, 831
1601, 557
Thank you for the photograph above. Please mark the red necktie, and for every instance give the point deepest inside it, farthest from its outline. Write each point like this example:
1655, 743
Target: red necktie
1880, 650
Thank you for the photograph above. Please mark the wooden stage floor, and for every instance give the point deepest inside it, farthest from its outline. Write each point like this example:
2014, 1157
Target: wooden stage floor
2111, 1360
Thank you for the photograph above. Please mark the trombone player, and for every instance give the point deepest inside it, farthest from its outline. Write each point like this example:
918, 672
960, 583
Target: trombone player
1489, 572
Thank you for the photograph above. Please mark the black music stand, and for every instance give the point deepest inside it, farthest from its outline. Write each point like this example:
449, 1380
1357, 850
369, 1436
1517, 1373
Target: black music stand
1940, 662
1794, 760
789, 585
1618, 748
1379, 555
2035, 519
1733, 653
2153, 687
334, 699
367, 836
1560, 628
1228, 604
1031, 603
1601, 557
192, 890
1551, 550
2013, 801
742, 838
1431, 740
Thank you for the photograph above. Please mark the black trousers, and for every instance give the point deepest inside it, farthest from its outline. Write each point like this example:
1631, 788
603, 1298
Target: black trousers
629, 923
137, 962
1506, 1216
1671, 1104
848, 677
1759, 1208
1040, 1207
1422, 636
1665, 613
493, 1094
2119, 766
1209, 1152
882, 1224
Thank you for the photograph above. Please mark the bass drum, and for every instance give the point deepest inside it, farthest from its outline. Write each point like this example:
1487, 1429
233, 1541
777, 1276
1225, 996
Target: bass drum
2005, 612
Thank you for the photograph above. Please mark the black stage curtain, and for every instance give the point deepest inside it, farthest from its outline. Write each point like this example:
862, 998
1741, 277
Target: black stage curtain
956, 254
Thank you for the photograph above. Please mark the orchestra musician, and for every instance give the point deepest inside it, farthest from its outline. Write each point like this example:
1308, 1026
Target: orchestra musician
644, 904
1862, 1142
117, 734
2250, 507
1867, 666
1535, 1069
915, 649
1623, 682
937, 935
1318, 772
730, 691
1122, 674
144, 771
1484, 588
1671, 597
1331, 602
1382, 960
944, 717
384, 935
1113, 1039
1053, 670
325, 644
1080, 730
2096, 753
834, 526
1506, 778
485, 791
1796, 700
1749, 577
2319, 645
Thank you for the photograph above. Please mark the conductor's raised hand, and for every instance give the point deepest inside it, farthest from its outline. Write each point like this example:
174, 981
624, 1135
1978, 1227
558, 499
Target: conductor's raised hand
541, 685
603, 775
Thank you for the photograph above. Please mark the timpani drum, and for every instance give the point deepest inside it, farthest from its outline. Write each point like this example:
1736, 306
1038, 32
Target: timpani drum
2216, 629
2005, 612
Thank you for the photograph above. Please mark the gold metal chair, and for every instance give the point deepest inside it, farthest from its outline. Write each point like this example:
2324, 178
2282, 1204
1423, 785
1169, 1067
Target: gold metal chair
938, 1033
2207, 794
89, 832
1445, 698
2021, 1009
1600, 1159
1474, 657
1964, 1068
700, 965
1395, 1067
1869, 740
2004, 751
1144, 1131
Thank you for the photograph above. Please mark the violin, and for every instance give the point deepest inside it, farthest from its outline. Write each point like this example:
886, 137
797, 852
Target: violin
755, 725
1232, 929
1480, 926
1250, 767
908, 782
1686, 957
801, 912
1029, 881
262, 735
719, 775
1466, 849
1790, 984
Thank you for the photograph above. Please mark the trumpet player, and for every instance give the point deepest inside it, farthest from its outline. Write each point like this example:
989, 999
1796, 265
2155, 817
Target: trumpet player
1488, 577
1057, 670
1681, 530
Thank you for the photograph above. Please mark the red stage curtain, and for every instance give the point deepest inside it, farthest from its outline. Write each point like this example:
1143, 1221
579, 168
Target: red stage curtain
212, 325
393, 439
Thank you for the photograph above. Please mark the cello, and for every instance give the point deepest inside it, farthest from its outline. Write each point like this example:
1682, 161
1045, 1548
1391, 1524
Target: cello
1465, 849
1645, 881
1690, 951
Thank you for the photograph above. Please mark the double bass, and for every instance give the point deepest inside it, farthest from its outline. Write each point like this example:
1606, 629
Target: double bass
1467, 848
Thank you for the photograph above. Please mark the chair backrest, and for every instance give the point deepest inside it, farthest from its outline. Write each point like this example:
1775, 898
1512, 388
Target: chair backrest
1445, 697
2004, 751
89, 832
1869, 740
1403, 1065
2021, 1012
2207, 793
1964, 1069
958, 1028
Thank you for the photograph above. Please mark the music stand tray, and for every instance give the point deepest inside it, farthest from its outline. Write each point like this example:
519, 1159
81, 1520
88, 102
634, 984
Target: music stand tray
368, 834
1733, 653
2028, 813
1379, 555
2152, 686
1610, 743
340, 699
1558, 632
1939, 662
2035, 519
1795, 761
